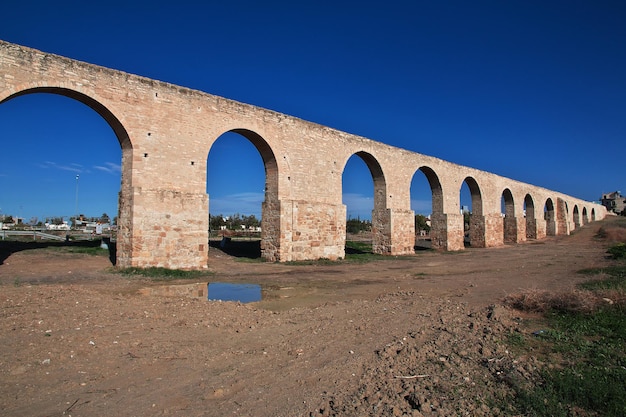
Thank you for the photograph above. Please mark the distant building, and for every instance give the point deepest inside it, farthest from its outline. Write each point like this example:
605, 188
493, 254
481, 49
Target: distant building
614, 202
63, 226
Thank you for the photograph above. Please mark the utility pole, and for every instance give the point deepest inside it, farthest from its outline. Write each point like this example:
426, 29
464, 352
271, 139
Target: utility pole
76, 218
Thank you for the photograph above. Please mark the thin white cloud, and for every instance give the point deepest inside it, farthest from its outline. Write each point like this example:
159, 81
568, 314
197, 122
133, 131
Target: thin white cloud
71, 167
109, 168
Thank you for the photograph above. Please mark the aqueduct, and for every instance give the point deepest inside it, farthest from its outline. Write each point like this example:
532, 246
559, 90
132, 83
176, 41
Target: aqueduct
166, 131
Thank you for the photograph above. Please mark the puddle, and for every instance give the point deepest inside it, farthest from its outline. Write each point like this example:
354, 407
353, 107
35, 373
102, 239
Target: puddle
213, 291
223, 291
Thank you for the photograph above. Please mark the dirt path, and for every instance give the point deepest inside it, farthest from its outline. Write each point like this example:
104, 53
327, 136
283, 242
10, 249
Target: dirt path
409, 336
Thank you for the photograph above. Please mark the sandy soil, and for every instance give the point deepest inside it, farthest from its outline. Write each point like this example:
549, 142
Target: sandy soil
420, 335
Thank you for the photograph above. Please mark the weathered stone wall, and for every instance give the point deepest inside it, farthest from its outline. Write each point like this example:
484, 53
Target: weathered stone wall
166, 132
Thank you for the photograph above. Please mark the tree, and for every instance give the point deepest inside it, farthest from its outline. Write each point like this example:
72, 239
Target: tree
421, 223
357, 225
216, 222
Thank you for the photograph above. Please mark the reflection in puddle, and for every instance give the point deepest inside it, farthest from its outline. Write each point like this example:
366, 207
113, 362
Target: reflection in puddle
213, 291
223, 291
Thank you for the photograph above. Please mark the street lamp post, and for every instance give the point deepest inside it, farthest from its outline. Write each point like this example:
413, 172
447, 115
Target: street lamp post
76, 218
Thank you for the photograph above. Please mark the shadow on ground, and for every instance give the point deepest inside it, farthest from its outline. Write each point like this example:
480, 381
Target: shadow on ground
238, 248
9, 247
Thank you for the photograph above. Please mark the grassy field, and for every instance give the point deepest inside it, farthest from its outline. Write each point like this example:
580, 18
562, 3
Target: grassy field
583, 344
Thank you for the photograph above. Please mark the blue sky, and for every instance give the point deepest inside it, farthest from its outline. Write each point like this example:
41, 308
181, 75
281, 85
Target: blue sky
531, 90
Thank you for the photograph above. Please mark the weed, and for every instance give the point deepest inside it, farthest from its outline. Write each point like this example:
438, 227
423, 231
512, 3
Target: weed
162, 274
515, 339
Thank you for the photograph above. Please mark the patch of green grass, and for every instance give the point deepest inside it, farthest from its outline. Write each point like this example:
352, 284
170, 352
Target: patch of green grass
162, 274
356, 252
616, 278
358, 246
322, 261
618, 251
588, 351
515, 339
93, 249
246, 260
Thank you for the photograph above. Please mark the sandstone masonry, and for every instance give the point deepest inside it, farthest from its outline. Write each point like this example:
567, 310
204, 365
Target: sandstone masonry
166, 131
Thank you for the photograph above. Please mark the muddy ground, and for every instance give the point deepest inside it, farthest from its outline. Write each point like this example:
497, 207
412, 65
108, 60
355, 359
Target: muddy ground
419, 335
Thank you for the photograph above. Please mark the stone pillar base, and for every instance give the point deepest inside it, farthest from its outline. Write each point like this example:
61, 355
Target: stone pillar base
310, 231
514, 229
393, 232
166, 230
446, 232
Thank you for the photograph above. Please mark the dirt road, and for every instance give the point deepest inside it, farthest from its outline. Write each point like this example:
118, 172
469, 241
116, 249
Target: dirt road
419, 335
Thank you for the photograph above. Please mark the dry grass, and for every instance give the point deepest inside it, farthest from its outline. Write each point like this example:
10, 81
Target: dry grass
581, 301
613, 234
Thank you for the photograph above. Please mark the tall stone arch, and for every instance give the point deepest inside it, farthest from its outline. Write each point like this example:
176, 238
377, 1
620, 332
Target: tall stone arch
477, 229
123, 246
531, 222
510, 221
271, 225
381, 215
576, 217
438, 219
550, 218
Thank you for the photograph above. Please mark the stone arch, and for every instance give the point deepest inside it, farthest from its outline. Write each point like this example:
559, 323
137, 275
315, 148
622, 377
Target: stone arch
585, 216
476, 218
270, 208
549, 215
531, 224
438, 232
593, 214
123, 246
101, 109
576, 218
381, 227
510, 222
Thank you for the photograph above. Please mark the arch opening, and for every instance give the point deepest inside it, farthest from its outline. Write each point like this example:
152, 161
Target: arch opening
363, 193
549, 216
529, 214
242, 185
70, 161
426, 201
576, 217
472, 212
508, 213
